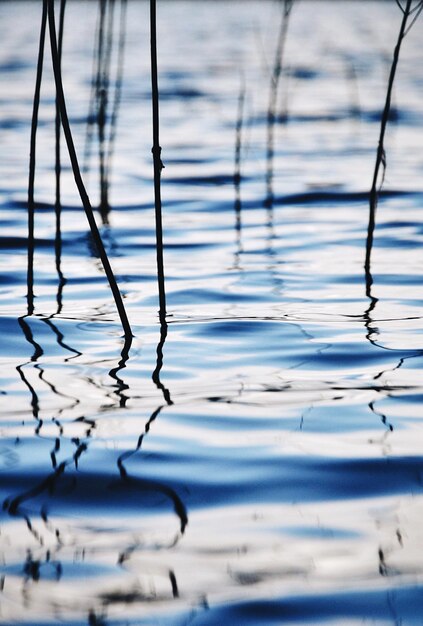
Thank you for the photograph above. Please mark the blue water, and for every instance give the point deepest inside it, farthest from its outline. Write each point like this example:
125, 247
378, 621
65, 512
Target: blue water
258, 459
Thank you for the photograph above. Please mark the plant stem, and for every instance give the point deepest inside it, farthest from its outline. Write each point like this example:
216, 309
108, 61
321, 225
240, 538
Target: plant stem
157, 162
273, 96
380, 155
118, 87
238, 148
33, 141
58, 170
77, 175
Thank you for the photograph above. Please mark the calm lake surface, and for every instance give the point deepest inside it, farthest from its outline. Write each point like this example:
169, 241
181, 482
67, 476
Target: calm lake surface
257, 460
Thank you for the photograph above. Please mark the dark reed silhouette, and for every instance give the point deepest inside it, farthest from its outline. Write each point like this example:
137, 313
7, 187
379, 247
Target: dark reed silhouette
117, 92
102, 95
33, 141
380, 164
58, 171
91, 117
157, 161
37, 353
410, 14
273, 98
77, 173
121, 386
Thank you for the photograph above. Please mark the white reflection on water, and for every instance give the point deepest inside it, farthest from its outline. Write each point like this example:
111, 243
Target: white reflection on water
261, 463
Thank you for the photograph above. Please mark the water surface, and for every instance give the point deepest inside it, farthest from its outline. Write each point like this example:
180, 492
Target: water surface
258, 459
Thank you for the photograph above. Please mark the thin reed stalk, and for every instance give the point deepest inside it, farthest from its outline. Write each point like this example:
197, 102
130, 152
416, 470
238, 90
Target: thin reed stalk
408, 12
103, 101
238, 148
157, 161
273, 97
31, 181
93, 98
58, 171
77, 174
118, 86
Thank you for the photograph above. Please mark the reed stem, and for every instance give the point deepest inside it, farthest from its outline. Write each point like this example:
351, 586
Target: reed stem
273, 96
118, 87
58, 170
31, 181
77, 174
380, 154
157, 161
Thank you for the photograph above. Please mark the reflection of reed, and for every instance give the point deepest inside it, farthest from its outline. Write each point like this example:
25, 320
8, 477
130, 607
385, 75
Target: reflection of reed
121, 387
178, 505
12, 505
372, 331
144, 484
38, 352
273, 96
137, 483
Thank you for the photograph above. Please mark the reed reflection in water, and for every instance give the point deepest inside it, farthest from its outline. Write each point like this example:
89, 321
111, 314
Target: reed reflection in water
252, 454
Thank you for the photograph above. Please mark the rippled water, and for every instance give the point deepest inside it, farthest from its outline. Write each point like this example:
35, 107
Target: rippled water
259, 460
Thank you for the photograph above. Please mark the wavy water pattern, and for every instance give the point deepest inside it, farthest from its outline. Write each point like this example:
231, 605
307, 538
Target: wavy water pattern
254, 457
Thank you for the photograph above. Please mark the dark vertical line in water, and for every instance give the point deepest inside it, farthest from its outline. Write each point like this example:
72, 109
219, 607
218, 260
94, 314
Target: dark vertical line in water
237, 165
61, 338
118, 87
159, 362
380, 154
157, 162
93, 97
271, 111
58, 169
174, 584
382, 416
121, 386
31, 181
368, 321
99, 98
105, 53
354, 94
77, 175
146, 484
158, 166
38, 352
